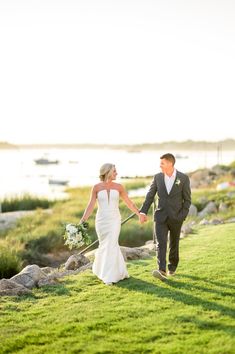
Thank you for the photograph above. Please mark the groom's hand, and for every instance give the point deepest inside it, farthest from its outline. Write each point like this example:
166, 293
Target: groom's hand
142, 218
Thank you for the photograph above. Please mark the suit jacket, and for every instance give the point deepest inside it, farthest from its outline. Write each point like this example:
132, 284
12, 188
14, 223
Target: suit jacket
174, 205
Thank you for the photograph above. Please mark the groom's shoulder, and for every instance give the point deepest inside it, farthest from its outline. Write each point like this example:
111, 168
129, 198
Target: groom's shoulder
157, 175
182, 175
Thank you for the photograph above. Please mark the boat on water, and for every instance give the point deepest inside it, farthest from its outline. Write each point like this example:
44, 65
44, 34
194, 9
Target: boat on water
73, 161
179, 156
45, 161
58, 182
134, 150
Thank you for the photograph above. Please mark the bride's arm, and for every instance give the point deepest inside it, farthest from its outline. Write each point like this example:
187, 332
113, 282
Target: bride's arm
128, 201
90, 206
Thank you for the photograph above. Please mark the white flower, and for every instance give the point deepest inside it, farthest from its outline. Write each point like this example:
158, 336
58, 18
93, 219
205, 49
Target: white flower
71, 229
76, 235
177, 182
79, 237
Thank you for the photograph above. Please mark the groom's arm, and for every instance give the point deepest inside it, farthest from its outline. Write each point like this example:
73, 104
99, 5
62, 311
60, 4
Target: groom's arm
187, 197
149, 197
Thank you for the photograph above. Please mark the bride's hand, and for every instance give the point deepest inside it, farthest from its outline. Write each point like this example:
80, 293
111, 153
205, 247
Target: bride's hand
142, 218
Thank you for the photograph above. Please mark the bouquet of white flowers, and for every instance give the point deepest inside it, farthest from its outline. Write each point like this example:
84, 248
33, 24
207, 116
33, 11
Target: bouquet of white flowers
76, 235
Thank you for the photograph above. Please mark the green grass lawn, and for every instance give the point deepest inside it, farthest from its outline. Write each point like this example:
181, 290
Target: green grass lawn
190, 313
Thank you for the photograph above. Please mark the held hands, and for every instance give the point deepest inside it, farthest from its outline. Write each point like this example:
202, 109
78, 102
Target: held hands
142, 218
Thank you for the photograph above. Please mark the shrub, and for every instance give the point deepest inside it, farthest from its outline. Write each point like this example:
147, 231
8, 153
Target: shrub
46, 243
25, 202
232, 164
10, 264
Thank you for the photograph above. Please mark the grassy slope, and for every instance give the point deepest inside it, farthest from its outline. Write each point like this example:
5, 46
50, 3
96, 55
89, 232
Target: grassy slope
192, 313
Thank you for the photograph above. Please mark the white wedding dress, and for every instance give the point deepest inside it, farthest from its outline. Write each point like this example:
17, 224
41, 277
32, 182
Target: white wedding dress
109, 264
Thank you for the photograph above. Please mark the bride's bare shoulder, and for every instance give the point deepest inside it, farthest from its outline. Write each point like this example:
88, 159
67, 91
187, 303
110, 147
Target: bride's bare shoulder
97, 187
118, 186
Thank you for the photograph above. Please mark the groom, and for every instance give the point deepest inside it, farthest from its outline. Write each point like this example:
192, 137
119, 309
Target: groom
174, 198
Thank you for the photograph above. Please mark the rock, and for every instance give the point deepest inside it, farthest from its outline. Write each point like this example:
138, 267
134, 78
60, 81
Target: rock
223, 207
64, 273
216, 222
187, 229
11, 288
204, 222
192, 210
219, 170
91, 255
25, 280
203, 200
131, 253
48, 270
149, 247
47, 281
211, 222
230, 195
76, 261
209, 209
149, 242
194, 184
231, 220
198, 175
199, 178
52, 278
29, 276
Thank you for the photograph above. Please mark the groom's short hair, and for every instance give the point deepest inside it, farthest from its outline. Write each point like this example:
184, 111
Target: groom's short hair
168, 157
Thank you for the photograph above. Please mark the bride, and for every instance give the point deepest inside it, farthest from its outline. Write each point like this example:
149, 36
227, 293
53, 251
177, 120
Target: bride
109, 264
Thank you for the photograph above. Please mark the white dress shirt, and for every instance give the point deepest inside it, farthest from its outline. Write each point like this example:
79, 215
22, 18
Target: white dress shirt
169, 181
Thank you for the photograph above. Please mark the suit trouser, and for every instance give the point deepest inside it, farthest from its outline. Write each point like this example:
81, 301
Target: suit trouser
161, 231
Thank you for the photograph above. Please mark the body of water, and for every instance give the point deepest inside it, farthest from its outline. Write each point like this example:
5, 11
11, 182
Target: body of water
20, 174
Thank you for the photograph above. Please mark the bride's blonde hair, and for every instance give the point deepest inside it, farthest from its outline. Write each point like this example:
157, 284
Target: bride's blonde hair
106, 171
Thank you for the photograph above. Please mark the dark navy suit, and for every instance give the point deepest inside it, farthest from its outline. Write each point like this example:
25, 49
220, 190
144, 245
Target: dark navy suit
171, 211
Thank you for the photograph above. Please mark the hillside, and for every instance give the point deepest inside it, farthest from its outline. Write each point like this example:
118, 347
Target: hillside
190, 313
188, 145
5, 145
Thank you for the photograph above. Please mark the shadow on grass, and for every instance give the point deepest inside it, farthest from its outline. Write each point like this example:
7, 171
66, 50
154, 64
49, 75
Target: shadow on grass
209, 281
136, 284
207, 325
56, 290
189, 286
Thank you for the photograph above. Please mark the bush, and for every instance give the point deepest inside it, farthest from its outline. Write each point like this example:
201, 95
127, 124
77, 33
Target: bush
10, 264
46, 243
232, 164
25, 202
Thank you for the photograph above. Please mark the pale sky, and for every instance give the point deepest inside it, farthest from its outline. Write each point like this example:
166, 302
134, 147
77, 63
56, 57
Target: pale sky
92, 71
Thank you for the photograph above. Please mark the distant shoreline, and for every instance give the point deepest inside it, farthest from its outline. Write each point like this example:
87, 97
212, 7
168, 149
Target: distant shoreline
188, 145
